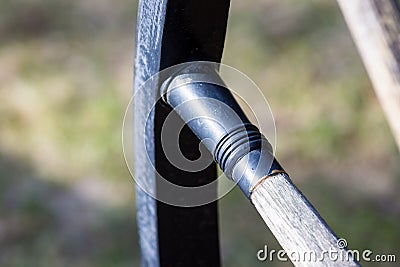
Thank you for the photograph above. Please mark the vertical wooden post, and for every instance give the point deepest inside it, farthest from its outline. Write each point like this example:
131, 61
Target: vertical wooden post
168, 33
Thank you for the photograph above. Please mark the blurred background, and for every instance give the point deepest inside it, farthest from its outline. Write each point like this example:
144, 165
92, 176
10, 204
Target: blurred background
66, 197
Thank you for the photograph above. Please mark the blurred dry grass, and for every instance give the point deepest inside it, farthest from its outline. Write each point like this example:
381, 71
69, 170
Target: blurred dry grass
65, 79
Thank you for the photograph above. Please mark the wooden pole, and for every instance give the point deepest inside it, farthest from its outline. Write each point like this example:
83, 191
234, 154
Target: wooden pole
246, 157
302, 233
374, 25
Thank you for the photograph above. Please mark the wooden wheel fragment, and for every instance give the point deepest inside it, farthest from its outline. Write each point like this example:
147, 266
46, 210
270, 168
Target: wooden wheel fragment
178, 31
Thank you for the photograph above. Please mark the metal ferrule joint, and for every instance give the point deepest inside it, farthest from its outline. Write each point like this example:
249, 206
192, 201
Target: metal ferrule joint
202, 100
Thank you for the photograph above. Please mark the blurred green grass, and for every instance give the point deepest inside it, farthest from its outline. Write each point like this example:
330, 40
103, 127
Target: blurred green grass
66, 78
